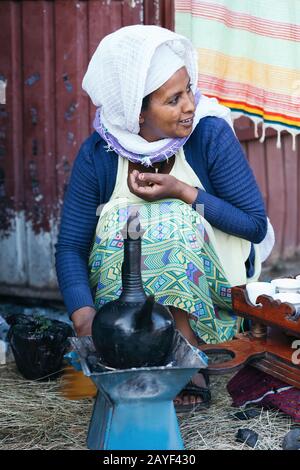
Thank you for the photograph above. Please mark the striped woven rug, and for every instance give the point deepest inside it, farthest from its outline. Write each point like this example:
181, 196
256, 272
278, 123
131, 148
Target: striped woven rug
249, 57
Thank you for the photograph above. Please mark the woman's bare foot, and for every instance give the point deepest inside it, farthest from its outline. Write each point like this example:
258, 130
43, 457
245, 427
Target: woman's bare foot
182, 324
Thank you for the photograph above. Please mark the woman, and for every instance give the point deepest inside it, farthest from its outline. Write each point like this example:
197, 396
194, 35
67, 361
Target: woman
160, 144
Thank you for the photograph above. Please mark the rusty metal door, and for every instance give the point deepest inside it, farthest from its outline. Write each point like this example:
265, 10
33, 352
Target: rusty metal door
44, 116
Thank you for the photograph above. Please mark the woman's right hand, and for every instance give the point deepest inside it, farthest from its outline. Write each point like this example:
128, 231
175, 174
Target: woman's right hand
155, 186
82, 320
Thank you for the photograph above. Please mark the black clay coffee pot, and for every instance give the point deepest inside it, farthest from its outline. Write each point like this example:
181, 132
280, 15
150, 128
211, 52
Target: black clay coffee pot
134, 330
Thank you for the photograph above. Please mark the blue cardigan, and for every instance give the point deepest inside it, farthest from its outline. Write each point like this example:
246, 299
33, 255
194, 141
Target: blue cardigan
232, 200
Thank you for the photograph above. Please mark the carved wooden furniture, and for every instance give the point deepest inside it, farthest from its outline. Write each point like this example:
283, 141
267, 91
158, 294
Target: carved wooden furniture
270, 345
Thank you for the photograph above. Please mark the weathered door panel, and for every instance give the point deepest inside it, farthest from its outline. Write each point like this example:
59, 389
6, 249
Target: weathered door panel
45, 47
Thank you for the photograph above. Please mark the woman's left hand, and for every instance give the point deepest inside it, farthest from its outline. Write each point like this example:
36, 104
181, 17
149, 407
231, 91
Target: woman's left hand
155, 186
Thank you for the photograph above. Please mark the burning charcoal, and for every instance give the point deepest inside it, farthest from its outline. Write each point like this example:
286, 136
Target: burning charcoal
92, 360
248, 436
291, 440
246, 414
93, 363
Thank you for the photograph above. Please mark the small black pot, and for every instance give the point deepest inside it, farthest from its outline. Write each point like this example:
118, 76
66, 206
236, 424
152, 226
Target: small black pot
39, 355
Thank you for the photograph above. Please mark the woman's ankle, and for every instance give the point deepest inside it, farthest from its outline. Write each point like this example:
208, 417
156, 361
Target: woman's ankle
182, 324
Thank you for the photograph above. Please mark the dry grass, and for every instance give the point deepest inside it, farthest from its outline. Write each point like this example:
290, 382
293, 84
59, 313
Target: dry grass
215, 428
34, 415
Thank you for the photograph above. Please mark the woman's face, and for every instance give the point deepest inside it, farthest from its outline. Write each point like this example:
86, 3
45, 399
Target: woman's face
170, 111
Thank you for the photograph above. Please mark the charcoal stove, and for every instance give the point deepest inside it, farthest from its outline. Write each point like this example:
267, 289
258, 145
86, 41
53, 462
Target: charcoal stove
134, 407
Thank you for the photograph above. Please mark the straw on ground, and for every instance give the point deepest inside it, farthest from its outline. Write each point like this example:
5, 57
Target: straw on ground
34, 415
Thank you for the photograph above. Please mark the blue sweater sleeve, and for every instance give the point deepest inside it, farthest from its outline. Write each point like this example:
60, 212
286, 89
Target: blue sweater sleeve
236, 207
78, 224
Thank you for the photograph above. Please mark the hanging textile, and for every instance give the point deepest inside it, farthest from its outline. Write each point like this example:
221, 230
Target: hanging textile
249, 57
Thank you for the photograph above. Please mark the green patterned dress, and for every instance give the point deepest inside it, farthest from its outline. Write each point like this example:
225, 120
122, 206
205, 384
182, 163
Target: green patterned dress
179, 265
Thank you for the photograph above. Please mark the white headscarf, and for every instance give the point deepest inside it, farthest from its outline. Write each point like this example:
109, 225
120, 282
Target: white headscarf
124, 69
164, 63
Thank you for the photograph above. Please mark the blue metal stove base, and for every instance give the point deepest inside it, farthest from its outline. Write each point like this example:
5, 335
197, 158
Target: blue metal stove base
133, 426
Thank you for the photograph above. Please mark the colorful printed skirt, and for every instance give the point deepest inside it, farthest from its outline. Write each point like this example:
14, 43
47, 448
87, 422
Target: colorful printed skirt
179, 265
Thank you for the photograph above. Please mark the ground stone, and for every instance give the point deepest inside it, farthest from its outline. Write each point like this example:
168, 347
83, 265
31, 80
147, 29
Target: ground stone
248, 436
291, 440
